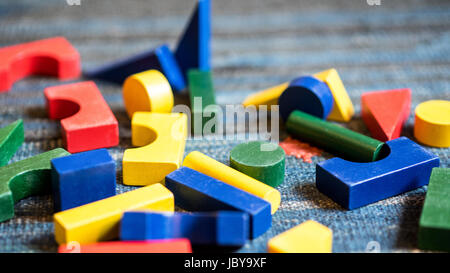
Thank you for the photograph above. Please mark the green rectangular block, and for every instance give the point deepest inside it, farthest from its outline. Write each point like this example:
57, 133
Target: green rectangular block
201, 93
434, 226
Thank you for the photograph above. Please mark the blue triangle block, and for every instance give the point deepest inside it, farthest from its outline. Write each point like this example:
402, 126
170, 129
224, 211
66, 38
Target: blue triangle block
160, 59
194, 48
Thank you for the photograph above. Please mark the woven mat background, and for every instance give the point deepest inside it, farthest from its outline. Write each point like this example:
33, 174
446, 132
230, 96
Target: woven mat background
256, 44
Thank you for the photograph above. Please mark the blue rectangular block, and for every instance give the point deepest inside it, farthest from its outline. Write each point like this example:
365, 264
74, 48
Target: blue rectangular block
352, 185
82, 178
196, 191
160, 59
223, 228
194, 47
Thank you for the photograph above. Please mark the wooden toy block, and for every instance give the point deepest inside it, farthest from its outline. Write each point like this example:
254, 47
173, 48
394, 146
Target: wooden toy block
99, 221
308, 237
432, 123
194, 47
160, 58
434, 226
222, 228
147, 91
201, 94
353, 185
385, 112
82, 178
342, 107
25, 178
334, 138
306, 94
205, 164
11, 138
163, 137
195, 191
150, 246
53, 56
261, 160
267, 97
86, 120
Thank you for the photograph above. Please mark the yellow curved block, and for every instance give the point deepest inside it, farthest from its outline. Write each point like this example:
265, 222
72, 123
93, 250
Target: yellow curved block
266, 97
147, 91
206, 165
99, 221
308, 237
163, 137
432, 124
342, 107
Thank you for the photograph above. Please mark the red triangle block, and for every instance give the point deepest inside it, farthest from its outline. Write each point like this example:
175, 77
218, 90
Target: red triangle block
385, 112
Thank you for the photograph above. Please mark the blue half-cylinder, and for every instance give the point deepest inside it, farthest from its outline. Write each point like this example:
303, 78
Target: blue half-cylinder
222, 228
195, 191
160, 58
352, 185
306, 94
194, 47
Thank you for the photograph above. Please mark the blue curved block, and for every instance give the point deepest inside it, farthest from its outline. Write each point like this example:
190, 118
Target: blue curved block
160, 59
308, 95
352, 185
223, 228
82, 178
196, 191
194, 49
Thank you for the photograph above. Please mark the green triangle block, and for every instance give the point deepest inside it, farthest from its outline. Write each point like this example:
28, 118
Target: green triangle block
11, 138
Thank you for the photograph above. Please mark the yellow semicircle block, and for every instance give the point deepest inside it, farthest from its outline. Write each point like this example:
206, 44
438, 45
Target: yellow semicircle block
148, 91
432, 123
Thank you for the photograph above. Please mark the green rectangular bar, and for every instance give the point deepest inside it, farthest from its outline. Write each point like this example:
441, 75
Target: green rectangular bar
200, 87
333, 138
434, 225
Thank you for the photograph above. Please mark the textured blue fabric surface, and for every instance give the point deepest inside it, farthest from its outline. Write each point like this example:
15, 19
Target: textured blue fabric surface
256, 44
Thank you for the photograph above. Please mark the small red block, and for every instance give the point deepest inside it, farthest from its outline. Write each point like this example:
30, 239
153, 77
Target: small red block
87, 121
385, 112
53, 56
152, 246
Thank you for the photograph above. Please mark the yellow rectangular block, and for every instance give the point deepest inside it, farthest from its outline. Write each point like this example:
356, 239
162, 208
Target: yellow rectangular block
163, 137
206, 165
342, 107
308, 237
266, 97
99, 221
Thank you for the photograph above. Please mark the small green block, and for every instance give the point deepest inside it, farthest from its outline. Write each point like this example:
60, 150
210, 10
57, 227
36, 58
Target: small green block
201, 87
31, 176
434, 225
261, 160
334, 138
11, 138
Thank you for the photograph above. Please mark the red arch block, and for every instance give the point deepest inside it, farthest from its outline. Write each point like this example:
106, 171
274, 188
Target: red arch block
87, 121
53, 56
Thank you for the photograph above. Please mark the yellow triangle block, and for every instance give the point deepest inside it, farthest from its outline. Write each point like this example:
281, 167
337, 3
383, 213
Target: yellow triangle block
266, 97
343, 107
308, 237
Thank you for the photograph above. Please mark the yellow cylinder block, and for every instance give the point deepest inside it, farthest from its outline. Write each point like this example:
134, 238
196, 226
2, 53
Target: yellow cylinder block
432, 124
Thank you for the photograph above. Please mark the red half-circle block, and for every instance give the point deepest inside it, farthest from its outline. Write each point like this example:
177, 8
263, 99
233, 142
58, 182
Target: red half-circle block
87, 121
53, 57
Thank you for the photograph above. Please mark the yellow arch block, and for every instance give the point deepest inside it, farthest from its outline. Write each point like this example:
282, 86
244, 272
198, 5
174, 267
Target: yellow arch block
308, 237
266, 97
206, 165
432, 124
342, 107
163, 137
99, 221
147, 91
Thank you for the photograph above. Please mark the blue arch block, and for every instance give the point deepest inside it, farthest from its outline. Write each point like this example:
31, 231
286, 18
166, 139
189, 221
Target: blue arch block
352, 185
82, 178
222, 228
160, 59
308, 95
